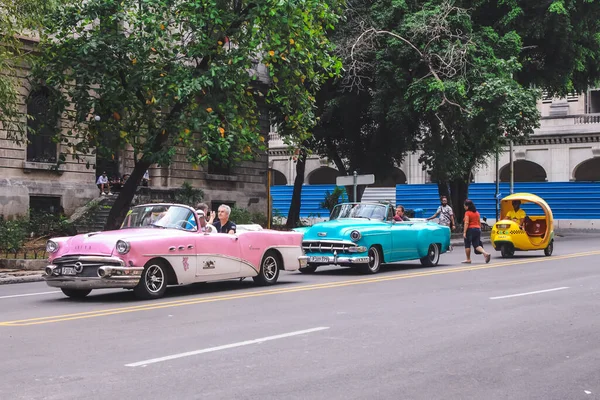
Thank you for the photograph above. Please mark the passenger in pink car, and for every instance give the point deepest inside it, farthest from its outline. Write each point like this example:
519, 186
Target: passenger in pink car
224, 225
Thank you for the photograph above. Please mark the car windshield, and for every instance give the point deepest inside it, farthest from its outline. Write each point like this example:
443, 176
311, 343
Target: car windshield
160, 216
358, 210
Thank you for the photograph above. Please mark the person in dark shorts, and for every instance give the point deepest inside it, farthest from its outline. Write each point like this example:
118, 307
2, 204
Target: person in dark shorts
472, 232
223, 224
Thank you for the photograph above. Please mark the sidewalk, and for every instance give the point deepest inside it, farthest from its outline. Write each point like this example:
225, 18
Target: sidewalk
19, 276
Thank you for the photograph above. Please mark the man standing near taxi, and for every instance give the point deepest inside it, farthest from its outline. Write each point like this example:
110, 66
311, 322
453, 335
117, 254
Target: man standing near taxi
223, 224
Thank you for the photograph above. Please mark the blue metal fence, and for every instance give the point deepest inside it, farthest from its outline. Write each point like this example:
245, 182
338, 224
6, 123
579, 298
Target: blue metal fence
568, 200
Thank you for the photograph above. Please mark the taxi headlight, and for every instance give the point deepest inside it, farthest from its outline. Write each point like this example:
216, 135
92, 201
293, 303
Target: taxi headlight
51, 247
122, 247
503, 226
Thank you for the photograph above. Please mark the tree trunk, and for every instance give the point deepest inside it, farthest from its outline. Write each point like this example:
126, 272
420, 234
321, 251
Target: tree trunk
119, 209
459, 193
293, 217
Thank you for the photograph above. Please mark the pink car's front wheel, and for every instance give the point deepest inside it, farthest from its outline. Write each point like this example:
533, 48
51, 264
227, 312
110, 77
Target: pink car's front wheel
153, 282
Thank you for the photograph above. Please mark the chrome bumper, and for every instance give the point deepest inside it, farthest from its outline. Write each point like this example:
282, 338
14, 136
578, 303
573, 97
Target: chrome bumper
303, 261
108, 277
336, 260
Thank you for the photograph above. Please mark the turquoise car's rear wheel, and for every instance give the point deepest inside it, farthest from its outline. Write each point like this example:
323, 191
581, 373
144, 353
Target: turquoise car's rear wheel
433, 256
375, 260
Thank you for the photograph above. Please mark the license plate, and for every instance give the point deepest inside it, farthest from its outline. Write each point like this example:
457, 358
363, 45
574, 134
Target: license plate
68, 271
319, 259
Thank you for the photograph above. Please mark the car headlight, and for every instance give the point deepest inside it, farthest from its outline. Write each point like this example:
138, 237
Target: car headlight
51, 247
503, 226
122, 247
355, 236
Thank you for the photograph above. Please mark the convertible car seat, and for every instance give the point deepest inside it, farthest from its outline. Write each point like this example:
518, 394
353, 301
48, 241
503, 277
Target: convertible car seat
535, 228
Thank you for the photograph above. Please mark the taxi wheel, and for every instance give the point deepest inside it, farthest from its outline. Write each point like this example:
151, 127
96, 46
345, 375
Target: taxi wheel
310, 269
548, 250
507, 250
269, 269
153, 282
76, 293
375, 260
433, 256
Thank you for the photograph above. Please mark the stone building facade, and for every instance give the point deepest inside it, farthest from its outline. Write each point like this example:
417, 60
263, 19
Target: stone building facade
565, 148
29, 177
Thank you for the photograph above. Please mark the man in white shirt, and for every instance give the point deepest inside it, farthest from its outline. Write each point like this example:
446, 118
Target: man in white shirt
102, 183
445, 212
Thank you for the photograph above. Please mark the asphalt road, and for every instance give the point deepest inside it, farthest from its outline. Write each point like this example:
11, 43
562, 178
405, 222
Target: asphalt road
448, 332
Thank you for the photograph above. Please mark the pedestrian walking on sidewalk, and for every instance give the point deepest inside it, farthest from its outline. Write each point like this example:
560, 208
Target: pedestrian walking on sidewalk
472, 232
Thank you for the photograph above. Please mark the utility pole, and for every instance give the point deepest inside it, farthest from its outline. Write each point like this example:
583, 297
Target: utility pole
497, 183
512, 170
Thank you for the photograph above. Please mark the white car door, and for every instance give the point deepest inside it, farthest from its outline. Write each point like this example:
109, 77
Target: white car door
218, 256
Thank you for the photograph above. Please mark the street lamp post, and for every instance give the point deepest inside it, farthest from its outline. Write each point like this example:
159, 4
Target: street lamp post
497, 182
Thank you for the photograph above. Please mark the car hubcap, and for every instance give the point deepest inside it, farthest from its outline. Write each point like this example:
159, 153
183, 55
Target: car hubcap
432, 253
373, 258
270, 268
154, 278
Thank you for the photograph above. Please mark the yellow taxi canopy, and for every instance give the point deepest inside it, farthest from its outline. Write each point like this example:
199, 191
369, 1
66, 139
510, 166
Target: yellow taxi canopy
506, 203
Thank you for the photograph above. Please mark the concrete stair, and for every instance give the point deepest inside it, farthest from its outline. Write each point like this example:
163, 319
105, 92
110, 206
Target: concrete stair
96, 216
377, 194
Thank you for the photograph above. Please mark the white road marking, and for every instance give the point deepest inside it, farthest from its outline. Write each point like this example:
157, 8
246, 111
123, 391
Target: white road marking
224, 347
28, 294
528, 293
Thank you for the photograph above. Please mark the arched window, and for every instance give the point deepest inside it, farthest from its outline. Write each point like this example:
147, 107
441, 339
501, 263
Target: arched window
524, 171
589, 170
41, 128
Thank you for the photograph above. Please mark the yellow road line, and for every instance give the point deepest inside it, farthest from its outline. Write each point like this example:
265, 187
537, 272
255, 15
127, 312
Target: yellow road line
317, 286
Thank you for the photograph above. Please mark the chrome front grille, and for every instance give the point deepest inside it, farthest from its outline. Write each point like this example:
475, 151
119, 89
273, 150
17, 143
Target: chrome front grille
87, 261
325, 246
85, 265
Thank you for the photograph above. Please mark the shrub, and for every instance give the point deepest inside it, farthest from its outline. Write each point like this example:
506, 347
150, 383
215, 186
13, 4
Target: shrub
332, 199
13, 234
189, 195
242, 216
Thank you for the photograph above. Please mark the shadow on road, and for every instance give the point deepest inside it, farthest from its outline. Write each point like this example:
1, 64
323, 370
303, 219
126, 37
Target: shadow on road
176, 292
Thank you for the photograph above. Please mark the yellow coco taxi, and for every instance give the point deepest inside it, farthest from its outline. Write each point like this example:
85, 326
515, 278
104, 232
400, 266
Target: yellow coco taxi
517, 231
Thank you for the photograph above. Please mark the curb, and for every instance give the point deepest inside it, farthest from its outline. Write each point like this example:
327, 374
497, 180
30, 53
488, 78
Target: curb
5, 280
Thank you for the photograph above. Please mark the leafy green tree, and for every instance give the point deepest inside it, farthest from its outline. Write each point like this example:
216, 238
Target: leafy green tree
159, 74
455, 79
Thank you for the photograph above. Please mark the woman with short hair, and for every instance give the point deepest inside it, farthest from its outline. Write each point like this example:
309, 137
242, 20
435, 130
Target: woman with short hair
472, 232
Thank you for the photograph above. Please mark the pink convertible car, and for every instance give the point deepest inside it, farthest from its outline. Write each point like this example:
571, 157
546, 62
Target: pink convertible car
160, 245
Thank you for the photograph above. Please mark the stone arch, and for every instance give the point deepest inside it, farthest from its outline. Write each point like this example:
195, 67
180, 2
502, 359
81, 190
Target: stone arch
322, 176
397, 177
524, 171
277, 178
588, 170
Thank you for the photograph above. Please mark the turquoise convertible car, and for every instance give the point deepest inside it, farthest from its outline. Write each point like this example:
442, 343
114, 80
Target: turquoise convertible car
365, 235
